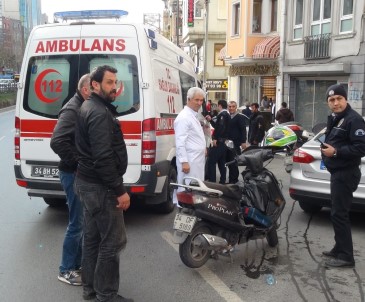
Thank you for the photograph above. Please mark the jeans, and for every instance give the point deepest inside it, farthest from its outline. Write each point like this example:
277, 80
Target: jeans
104, 238
72, 244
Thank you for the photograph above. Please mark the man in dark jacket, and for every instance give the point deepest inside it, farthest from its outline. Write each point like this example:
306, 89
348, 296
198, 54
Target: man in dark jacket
103, 161
236, 133
341, 152
63, 143
284, 114
256, 130
217, 152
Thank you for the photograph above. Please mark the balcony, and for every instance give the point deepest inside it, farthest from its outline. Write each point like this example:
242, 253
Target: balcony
317, 47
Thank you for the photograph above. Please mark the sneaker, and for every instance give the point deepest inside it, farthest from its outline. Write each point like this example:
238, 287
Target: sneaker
70, 277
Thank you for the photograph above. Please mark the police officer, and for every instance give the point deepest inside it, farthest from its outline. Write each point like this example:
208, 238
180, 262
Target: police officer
341, 152
217, 152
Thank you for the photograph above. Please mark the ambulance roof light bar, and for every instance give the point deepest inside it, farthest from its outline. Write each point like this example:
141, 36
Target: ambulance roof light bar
89, 14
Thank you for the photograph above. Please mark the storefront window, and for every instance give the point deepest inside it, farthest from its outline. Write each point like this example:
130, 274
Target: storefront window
310, 104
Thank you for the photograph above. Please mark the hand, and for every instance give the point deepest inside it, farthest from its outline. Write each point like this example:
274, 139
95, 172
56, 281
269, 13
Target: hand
124, 201
243, 146
208, 118
186, 167
214, 143
328, 150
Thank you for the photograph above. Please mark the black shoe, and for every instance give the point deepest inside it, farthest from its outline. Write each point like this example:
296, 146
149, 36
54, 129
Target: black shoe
330, 253
336, 262
89, 296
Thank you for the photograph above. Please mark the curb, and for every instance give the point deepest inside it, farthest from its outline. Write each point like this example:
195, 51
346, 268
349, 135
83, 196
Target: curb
7, 108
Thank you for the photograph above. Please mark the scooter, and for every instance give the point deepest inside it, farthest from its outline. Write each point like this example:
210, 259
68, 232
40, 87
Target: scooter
214, 218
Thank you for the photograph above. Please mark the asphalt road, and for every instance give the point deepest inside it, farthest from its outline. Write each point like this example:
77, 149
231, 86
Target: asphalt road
151, 270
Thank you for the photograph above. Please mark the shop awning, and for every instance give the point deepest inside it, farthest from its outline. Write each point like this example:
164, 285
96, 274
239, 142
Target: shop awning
268, 48
222, 53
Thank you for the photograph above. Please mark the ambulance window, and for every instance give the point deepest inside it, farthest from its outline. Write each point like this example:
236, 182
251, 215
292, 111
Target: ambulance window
47, 85
187, 82
127, 100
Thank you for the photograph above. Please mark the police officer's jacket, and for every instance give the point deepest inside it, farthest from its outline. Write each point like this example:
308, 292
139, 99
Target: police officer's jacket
102, 151
221, 126
346, 133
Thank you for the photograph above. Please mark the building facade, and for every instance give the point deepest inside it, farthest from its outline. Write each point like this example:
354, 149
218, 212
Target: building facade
203, 40
323, 45
253, 50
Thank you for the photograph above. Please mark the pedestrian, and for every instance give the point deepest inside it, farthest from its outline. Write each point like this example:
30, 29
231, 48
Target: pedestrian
208, 107
190, 139
265, 102
256, 130
217, 152
342, 150
103, 161
284, 114
247, 111
237, 134
63, 144
273, 109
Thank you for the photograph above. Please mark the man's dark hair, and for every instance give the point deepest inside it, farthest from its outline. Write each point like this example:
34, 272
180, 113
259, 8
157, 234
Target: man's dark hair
97, 74
256, 105
223, 103
284, 104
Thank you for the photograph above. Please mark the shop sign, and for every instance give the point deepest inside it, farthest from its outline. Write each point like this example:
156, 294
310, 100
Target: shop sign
191, 13
216, 84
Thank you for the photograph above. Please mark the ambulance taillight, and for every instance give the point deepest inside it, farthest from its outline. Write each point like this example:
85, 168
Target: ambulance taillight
148, 142
17, 138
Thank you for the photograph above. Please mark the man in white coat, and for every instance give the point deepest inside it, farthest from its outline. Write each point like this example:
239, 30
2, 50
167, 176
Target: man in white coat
190, 139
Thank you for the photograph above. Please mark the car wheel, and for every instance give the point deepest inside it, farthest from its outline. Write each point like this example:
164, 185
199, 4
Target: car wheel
309, 207
55, 202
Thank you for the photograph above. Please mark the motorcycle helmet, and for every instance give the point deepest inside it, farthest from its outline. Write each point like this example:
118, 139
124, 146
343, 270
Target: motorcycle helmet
280, 136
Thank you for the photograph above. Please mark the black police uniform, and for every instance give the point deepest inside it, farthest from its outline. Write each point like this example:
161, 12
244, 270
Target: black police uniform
217, 154
346, 133
236, 133
256, 131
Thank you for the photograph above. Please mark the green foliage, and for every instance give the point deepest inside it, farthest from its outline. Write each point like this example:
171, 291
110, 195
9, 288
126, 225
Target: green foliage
7, 99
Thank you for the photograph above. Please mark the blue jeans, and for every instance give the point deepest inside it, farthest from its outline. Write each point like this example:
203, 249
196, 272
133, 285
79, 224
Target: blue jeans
72, 244
104, 238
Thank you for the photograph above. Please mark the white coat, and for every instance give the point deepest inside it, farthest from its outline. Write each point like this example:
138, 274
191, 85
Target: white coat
190, 145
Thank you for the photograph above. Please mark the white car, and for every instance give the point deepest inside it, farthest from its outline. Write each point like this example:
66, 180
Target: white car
310, 181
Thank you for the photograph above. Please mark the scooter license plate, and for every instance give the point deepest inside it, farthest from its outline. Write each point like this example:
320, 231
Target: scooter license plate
184, 223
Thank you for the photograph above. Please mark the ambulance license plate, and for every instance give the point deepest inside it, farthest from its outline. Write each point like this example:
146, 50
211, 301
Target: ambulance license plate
184, 223
45, 171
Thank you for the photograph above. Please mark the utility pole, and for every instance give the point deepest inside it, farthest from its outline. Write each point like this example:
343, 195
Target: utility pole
177, 23
206, 44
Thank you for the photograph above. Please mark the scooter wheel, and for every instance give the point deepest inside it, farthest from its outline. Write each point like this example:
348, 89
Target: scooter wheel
190, 251
272, 237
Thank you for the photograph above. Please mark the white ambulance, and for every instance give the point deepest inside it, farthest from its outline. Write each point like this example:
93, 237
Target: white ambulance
154, 77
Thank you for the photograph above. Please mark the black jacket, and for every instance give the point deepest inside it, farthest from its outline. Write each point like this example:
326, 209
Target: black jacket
237, 129
256, 131
102, 151
346, 133
284, 115
63, 137
221, 125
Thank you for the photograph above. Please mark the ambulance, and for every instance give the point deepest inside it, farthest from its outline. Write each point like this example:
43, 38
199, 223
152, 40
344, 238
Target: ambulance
154, 76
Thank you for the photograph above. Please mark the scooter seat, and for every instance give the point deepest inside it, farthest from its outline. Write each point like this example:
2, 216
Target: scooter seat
229, 190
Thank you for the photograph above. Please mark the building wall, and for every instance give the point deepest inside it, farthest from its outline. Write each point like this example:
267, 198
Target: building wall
346, 63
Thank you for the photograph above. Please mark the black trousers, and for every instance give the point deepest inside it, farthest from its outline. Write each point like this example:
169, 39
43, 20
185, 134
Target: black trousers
233, 172
217, 155
343, 184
